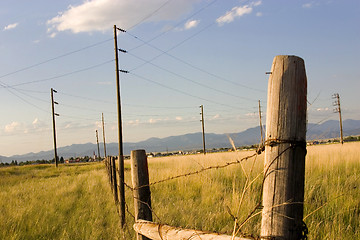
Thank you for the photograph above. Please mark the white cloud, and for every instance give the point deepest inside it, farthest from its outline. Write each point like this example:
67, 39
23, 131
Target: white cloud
179, 118
52, 35
35, 122
12, 127
322, 109
11, 26
255, 4
38, 124
131, 122
217, 116
259, 14
191, 24
236, 12
101, 15
307, 5
98, 124
152, 120
251, 114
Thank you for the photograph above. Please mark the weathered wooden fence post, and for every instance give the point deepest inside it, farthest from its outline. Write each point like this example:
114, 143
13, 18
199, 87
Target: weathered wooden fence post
111, 174
285, 150
114, 179
140, 182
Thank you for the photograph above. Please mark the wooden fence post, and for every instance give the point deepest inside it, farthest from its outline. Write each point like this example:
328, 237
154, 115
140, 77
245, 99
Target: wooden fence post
114, 180
285, 150
111, 174
107, 164
140, 182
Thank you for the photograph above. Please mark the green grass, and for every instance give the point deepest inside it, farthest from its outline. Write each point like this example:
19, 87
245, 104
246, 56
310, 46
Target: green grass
75, 201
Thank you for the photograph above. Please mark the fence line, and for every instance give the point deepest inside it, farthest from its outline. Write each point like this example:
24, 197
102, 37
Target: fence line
282, 188
237, 224
132, 189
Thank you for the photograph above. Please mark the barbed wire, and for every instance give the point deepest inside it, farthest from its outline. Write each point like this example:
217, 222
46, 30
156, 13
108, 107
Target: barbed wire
257, 209
198, 171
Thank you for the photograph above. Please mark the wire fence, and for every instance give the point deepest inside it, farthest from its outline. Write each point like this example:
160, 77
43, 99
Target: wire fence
238, 218
248, 172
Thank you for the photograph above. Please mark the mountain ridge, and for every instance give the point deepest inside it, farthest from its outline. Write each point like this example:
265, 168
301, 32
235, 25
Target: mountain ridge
189, 141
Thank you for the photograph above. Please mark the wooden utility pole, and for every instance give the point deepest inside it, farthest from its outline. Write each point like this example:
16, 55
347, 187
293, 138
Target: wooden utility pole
121, 154
140, 182
97, 142
103, 128
261, 126
338, 109
53, 120
203, 128
285, 150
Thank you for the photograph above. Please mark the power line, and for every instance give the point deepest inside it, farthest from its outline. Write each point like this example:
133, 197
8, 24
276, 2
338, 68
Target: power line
182, 92
171, 28
184, 62
150, 15
166, 52
125, 104
192, 81
55, 58
21, 98
86, 98
63, 75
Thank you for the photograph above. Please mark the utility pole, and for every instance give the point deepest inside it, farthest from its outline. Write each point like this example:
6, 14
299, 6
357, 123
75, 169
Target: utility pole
97, 142
103, 127
121, 154
261, 126
54, 129
203, 128
338, 109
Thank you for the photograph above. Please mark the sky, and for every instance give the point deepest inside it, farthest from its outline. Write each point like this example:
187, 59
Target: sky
180, 54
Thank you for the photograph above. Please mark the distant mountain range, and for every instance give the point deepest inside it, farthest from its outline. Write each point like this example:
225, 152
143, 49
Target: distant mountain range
191, 141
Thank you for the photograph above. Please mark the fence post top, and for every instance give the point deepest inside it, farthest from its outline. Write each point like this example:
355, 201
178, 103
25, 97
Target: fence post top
288, 56
138, 152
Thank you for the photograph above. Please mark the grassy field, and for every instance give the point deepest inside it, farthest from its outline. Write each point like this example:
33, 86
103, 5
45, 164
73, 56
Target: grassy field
71, 202
75, 201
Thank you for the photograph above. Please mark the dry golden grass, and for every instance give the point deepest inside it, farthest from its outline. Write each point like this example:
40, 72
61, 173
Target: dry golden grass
71, 202
75, 202
208, 200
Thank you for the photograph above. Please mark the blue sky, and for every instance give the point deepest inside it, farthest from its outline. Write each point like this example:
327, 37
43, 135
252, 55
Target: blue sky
181, 54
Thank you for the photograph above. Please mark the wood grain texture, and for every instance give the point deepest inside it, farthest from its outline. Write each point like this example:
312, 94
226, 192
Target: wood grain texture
157, 231
283, 192
140, 182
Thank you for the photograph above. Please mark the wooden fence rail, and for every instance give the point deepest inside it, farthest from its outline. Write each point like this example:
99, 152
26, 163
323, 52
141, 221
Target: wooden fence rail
157, 231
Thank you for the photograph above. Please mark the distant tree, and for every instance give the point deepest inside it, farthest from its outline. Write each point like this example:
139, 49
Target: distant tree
61, 159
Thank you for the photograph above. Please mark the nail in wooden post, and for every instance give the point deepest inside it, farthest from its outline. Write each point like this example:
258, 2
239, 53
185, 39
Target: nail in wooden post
283, 193
140, 182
